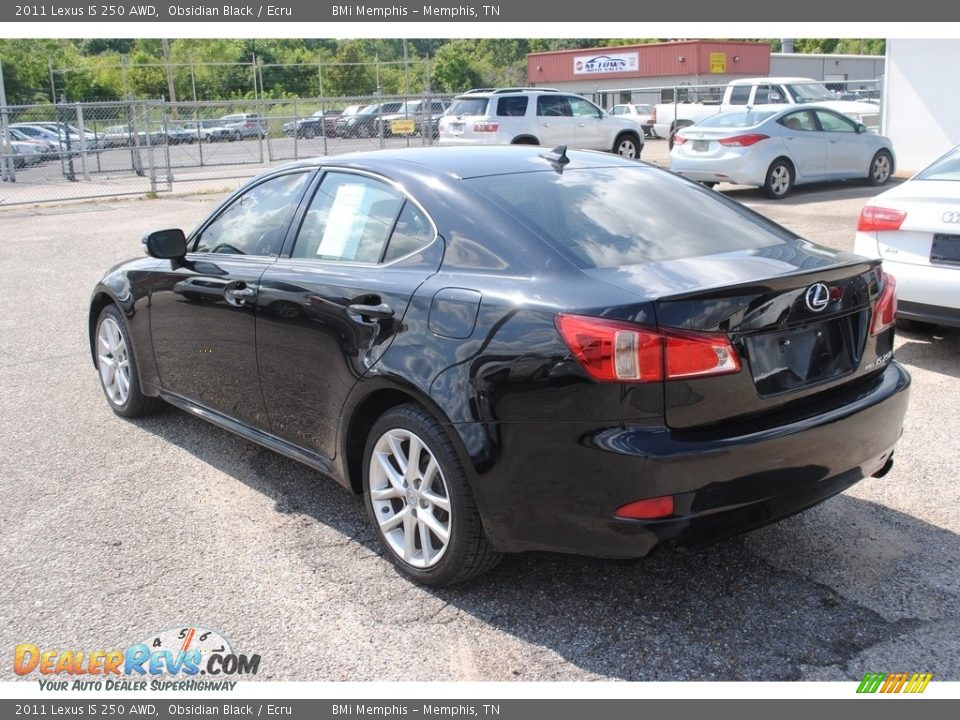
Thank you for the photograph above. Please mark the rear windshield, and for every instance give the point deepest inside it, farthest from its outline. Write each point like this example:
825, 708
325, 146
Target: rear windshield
735, 119
946, 168
606, 217
468, 106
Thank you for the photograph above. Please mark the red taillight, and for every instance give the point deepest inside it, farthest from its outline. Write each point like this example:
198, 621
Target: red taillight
879, 218
649, 509
743, 140
486, 126
885, 308
613, 351
694, 354
679, 139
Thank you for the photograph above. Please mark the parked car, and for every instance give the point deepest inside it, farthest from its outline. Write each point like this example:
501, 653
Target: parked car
179, 135
363, 124
211, 131
537, 116
507, 349
322, 122
126, 136
915, 228
91, 139
49, 147
347, 113
36, 132
776, 150
23, 153
245, 125
416, 111
640, 114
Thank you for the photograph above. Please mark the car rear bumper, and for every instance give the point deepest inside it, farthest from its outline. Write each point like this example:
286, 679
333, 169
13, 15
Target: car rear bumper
745, 169
556, 486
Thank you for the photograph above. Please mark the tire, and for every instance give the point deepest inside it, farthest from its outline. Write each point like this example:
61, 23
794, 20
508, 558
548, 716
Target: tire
114, 349
627, 145
391, 492
915, 326
881, 168
309, 133
779, 180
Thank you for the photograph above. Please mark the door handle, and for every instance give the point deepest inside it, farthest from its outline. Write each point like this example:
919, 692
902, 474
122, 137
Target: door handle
833, 141
376, 312
546, 124
238, 295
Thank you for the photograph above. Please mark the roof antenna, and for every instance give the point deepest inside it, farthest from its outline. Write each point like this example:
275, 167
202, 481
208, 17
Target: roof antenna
557, 157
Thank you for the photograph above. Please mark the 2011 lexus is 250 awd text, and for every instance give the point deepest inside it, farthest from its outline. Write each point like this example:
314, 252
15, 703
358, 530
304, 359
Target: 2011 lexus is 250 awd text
508, 349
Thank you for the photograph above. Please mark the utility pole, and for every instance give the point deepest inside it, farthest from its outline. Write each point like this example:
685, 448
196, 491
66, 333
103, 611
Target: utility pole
7, 170
406, 69
171, 87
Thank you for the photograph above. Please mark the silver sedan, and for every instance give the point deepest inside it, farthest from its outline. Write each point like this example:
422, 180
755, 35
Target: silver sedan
777, 150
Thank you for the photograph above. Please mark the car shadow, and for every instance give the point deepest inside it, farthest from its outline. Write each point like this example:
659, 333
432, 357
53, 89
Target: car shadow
937, 351
809, 192
766, 606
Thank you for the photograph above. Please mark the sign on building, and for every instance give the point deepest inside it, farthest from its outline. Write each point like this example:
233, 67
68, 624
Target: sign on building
606, 63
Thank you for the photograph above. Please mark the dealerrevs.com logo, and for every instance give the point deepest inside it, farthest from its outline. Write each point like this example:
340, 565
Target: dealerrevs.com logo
184, 658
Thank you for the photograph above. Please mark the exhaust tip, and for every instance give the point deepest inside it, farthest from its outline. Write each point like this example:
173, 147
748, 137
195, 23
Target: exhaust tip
887, 466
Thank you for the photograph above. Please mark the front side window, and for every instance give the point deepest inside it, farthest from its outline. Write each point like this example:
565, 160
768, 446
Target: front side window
831, 122
255, 223
583, 108
350, 218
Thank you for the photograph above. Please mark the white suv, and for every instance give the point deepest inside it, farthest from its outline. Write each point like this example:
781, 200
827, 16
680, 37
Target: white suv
536, 116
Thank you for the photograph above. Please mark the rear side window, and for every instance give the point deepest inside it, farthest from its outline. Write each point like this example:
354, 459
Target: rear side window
512, 106
735, 119
605, 217
740, 95
412, 232
350, 218
468, 106
552, 105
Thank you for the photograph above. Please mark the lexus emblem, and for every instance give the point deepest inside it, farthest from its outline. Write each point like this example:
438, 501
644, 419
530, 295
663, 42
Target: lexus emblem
951, 217
818, 297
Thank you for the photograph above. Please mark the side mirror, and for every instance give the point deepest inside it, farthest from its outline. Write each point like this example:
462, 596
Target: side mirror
861, 128
166, 244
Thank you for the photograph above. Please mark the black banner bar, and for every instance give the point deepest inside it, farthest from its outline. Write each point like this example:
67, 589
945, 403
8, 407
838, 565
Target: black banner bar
536, 11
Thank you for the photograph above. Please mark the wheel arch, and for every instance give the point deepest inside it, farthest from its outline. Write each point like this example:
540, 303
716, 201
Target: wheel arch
101, 298
525, 140
371, 399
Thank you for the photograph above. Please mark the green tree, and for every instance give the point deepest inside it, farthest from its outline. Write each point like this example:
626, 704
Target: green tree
456, 66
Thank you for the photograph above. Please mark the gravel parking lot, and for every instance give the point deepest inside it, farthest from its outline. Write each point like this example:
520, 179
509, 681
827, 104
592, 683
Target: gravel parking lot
116, 529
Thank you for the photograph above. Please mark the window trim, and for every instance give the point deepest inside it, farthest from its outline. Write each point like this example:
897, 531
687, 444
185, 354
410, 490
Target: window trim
297, 223
236, 195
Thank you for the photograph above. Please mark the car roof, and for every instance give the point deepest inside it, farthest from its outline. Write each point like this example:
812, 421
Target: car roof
463, 162
758, 80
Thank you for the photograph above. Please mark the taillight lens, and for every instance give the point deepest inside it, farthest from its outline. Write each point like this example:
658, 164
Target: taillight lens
649, 509
885, 308
679, 139
879, 218
743, 140
486, 126
613, 351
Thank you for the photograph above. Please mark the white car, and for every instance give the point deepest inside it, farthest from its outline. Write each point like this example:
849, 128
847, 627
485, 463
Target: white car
642, 115
537, 116
915, 229
777, 149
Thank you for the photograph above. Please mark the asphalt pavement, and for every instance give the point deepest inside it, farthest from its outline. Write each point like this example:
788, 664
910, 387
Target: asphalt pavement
114, 529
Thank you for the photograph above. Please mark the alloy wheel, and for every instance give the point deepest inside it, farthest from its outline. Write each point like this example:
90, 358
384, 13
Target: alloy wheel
881, 169
410, 499
113, 361
780, 180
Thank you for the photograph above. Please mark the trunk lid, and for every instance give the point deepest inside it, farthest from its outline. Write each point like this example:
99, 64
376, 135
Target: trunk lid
797, 316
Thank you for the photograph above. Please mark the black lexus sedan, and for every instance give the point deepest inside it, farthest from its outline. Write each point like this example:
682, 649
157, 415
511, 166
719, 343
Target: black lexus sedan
508, 349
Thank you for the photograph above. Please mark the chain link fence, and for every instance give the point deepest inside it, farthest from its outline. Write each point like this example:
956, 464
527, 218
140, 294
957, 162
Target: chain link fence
88, 150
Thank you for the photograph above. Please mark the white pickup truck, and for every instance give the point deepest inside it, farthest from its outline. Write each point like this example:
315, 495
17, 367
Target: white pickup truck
772, 92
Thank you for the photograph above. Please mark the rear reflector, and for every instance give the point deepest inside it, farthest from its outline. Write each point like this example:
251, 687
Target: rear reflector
743, 140
649, 509
878, 218
885, 308
679, 139
615, 351
486, 126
